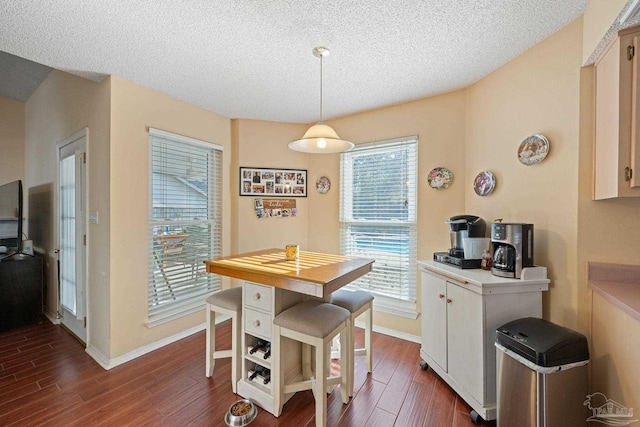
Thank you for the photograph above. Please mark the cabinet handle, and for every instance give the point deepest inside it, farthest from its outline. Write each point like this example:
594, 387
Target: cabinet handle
628, 173
256, 323
449, 300
256, 296
441, 296
449, 276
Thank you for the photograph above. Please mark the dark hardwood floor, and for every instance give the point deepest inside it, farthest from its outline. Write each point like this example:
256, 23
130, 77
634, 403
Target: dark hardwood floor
46, 379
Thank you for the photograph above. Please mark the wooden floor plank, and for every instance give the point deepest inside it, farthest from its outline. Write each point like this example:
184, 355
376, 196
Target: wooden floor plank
415, 408
397, 388
47, 379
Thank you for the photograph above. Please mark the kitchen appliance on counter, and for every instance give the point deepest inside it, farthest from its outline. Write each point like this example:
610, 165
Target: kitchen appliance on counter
462, 227
512, 248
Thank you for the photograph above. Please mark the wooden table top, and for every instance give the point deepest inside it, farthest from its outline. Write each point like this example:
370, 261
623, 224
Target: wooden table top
314, 273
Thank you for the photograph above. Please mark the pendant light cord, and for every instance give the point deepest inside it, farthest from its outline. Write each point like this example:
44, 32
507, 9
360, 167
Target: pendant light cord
321, 118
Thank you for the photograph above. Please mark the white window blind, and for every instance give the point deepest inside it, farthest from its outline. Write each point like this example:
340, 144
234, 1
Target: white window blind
184, 224
378, 214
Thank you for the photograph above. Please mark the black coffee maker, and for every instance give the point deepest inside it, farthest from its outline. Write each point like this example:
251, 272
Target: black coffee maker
512, 248
461, 227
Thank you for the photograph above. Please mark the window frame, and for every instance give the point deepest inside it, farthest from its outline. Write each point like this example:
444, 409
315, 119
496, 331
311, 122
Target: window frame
399, 306
213, 202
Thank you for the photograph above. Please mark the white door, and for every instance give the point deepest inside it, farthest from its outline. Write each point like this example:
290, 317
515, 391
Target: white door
72, 208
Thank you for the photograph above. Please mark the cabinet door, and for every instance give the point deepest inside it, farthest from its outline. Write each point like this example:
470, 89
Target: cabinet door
606, 152
635, 116
434, 318
465, 338
617, 150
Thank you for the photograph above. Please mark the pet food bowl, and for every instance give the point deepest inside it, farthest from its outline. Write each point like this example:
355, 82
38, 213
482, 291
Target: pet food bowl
241, 413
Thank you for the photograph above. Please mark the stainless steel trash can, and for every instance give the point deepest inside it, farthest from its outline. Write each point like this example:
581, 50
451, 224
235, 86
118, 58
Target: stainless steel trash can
541, 375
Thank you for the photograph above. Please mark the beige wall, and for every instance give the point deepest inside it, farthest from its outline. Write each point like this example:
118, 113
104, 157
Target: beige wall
11, 140
60, 107
598, 18
538, 92
264, 144
133, 110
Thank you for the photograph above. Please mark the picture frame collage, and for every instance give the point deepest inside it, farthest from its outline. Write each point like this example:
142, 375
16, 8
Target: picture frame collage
273, 182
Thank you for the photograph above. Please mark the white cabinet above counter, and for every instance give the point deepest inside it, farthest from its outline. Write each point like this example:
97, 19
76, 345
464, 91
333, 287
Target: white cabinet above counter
617, 111
461, 310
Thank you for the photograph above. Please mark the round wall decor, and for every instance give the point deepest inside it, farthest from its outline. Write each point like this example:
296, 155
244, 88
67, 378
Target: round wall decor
484, 183
323, 184
440, 178
533, 150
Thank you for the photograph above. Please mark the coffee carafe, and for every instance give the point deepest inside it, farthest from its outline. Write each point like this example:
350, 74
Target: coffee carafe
512, 246
461, 227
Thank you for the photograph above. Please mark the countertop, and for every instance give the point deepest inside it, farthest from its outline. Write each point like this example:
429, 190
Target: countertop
617, 283
483, 282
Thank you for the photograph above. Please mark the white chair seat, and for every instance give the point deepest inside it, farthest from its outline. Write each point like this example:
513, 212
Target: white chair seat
313, 323
357, 302
229, 303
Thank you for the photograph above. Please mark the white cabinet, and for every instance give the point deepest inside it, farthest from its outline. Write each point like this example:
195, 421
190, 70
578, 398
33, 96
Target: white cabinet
617, 114
461, 309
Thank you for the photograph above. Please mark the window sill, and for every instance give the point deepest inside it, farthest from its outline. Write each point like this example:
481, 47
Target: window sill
395, 307
179, 312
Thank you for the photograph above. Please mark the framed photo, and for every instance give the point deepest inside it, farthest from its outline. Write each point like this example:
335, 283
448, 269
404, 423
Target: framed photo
273, 182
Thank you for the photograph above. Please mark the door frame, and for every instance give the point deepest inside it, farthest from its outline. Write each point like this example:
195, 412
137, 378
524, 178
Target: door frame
82, 133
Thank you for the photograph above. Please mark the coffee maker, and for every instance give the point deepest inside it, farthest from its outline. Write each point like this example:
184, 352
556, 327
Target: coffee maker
461, 227
512, 248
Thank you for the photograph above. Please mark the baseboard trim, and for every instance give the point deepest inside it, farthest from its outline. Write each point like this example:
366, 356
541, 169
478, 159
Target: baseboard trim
392, 333
107, 363
53, 318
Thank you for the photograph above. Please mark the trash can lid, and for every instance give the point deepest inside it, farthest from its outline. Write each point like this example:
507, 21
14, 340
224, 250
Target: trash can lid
542, 342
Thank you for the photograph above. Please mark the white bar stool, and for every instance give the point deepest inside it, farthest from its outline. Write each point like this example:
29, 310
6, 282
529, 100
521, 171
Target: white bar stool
227, 302
313, 323
357, 302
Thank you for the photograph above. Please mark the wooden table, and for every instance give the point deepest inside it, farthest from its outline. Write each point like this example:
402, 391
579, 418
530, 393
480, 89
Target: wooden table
271, 285
314, 273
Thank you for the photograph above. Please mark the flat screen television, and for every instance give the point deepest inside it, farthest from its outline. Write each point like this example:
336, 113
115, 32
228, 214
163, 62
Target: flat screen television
11, 216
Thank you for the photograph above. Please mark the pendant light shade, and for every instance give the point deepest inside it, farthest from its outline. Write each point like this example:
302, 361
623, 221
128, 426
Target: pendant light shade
321, 138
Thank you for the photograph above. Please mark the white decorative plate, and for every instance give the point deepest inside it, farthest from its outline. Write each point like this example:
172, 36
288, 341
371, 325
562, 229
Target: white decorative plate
323, 184
533, 150
484, 183
440, 178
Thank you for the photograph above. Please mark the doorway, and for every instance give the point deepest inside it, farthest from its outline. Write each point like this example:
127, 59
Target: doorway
72, 233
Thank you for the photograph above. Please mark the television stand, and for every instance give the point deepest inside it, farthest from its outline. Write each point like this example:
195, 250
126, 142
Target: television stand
21, 288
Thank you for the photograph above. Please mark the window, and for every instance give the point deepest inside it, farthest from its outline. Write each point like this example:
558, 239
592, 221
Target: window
184, 223
378, 219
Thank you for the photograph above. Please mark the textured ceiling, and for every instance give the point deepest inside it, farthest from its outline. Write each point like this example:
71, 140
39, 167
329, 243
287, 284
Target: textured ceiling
252, 58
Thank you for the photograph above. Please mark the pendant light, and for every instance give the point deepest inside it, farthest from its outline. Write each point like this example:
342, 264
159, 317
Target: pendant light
321, 138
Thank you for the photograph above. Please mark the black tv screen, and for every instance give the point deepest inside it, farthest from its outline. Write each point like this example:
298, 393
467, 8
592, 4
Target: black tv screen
11, 216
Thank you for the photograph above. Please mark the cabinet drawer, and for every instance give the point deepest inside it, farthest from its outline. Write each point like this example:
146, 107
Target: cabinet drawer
257, 296
258, 323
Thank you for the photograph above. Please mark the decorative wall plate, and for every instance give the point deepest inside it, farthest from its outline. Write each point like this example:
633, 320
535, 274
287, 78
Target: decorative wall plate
323, 184
440, 178
533, 150
484, 183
